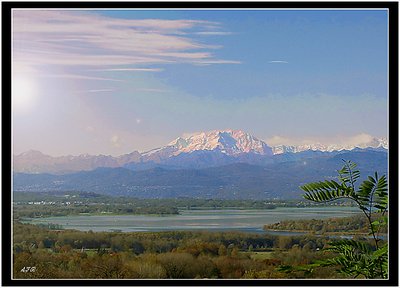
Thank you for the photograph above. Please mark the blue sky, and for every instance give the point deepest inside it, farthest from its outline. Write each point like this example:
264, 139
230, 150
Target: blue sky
118, 81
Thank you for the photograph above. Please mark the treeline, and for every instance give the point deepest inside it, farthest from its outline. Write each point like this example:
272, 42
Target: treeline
27, 235
52, 210
50, 204
36, 205
20, 197
353, 224
177, 254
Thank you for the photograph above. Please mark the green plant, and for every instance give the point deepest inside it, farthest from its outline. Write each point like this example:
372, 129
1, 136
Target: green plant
357, 258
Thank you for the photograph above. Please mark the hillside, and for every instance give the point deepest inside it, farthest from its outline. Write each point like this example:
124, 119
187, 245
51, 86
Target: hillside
234, 181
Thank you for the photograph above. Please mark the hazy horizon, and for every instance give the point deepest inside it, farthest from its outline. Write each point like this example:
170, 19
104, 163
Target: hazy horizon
356, 141
116, 81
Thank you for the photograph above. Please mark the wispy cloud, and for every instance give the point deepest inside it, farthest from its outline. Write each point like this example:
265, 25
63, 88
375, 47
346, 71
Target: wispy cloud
81, 77
210, 62
278, 62
358, 139
78, 38
213, 33
131, 69
100, 90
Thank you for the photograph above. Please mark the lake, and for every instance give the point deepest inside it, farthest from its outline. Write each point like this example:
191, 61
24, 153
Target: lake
210, 220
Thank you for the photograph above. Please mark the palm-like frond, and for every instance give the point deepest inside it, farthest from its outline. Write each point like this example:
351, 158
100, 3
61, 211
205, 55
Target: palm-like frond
325, 191
356, 258
349, 244
380, 257
373, 193
348, 174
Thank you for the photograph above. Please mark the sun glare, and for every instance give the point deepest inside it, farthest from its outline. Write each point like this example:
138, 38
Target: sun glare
23, 93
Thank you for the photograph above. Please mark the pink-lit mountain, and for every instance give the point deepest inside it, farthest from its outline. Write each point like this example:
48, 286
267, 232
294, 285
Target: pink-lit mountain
229, 142
198, 150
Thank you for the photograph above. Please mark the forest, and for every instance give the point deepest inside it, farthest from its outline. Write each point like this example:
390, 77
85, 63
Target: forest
47, 251
56, 254
344, 225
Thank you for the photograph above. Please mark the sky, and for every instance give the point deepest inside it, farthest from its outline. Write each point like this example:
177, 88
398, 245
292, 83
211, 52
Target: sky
116, 81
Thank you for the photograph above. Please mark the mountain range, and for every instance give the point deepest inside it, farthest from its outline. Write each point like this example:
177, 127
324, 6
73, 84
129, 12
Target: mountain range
227, 164
199, 150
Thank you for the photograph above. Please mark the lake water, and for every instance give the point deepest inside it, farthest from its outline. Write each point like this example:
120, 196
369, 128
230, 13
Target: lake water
210, 220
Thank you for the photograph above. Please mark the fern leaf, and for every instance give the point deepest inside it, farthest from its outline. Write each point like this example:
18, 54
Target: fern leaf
325, 191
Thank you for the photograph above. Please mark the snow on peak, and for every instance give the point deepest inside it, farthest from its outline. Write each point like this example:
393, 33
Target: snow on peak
374, 143
228, 141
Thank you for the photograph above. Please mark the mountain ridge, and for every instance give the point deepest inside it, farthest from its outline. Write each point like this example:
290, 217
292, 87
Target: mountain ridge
198, 150
278, 180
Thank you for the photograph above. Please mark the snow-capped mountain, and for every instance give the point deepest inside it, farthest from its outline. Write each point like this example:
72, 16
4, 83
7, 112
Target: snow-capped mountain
230, 142
217, 164
198, 150
208, 149
374, 143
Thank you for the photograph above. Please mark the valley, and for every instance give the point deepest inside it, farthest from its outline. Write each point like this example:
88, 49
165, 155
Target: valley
223, 203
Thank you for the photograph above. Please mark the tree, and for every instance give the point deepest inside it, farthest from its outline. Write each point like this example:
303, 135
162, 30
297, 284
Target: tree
222, 251
355, 257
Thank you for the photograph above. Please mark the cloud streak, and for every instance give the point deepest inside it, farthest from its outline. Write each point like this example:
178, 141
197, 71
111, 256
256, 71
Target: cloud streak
80, 38
79, 77
100, 90
131, 69
213, 33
